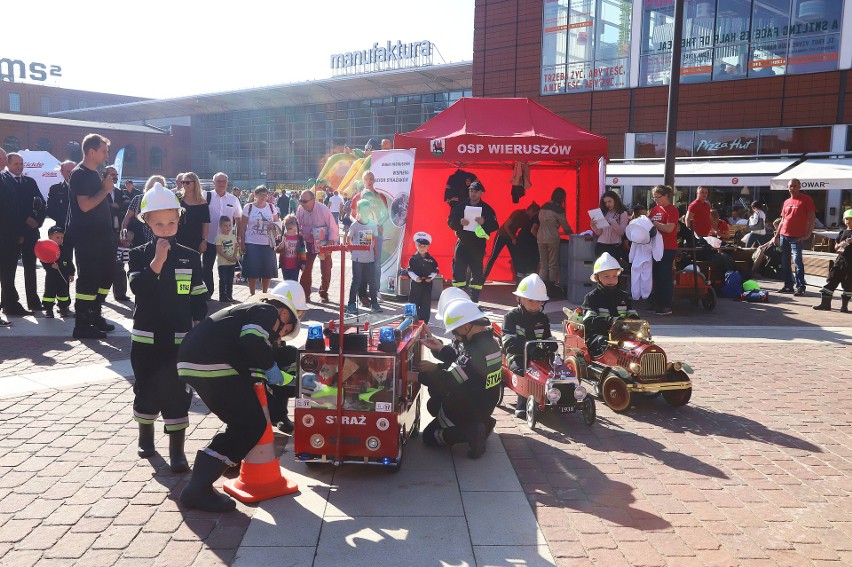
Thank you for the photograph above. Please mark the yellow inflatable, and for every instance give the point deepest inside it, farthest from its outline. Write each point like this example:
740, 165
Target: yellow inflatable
336, 168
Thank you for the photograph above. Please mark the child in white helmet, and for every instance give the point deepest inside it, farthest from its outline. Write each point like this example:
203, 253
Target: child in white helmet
605, 303
422, 268
166, 279
526, 322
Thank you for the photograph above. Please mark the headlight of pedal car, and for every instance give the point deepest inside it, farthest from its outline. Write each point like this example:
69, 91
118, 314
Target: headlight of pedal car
676, 366
579, 393
553, 395
634, 368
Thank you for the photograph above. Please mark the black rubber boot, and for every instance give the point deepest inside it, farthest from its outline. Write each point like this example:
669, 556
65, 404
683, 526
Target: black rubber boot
177, 458
146, 440
48, 310
844, 303
98, 320
83, 328
199, 493
825, 302
474, 295
284, 424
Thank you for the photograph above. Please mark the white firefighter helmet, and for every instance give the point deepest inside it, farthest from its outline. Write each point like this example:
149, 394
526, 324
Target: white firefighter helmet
448, 296
532, 287
604, 263
461, 312
158, 198
293, 292
281, 301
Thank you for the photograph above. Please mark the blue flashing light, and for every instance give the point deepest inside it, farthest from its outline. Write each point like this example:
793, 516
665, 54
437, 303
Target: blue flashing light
411, 310
386, 335
388, 461
315, 332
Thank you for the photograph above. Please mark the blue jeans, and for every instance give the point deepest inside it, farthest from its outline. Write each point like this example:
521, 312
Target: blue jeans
363, 273
790, 245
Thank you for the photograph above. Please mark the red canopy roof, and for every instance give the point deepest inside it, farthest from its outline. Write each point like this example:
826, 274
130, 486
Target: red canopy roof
501, 129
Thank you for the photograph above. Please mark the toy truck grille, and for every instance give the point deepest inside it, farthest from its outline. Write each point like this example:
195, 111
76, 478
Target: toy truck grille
653, 366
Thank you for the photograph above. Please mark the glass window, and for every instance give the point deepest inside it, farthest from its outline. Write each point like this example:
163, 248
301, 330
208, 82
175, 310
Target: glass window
725, 143
83, 103
14, 102
653, 145
795, 140
44, 145
45, 105
11, 144
155, 158
130, 156
64, 104
368, 381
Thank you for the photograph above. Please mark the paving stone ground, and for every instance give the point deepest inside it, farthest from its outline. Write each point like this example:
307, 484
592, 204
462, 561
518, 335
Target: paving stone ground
754, 471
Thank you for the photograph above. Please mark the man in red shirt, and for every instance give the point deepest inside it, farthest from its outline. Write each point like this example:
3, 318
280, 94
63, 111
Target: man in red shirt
798, 217
698, 213
665, 218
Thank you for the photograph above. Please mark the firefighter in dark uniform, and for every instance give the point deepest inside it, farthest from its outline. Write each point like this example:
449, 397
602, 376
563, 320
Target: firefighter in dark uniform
605, 304
89, 231
166, 279
469, 389
526, 322
422, 268
470, 247
57, 277
57, 195
221, 359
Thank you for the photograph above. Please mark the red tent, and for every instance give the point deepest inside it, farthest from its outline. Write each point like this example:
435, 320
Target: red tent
487, 136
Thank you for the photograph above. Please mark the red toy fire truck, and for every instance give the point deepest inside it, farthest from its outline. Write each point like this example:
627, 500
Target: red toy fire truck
358, 395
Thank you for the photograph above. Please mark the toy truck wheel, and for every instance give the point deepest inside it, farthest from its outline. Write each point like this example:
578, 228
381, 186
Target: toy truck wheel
394, 468
589, 410
677, 398
415, 427
708, 302
532, 410
615, 393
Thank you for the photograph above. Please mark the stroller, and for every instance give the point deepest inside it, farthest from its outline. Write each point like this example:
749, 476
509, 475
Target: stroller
766, 261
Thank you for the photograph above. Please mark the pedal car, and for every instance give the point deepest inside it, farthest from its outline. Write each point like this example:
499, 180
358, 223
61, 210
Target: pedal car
551, 383
630, 363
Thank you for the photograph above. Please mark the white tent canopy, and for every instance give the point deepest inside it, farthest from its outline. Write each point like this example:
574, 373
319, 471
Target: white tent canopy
718, 173
825, 174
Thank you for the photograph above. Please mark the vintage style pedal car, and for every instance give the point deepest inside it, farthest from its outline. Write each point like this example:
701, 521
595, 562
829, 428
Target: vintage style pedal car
630, 363
551, 382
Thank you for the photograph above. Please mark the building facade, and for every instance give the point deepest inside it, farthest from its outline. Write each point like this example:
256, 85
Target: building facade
759, 78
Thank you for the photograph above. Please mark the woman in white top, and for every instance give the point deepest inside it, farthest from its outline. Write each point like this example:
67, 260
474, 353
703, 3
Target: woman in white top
610, 236
258, 229
756, 226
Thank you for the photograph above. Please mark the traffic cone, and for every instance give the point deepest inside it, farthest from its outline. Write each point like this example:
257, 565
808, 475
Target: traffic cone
261, 477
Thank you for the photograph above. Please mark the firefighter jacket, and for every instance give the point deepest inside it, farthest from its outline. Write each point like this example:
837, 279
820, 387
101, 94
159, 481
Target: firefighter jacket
475, 376
66, 266
468, 237
168, 303
422, 267
604, 304
520, 326
236, 341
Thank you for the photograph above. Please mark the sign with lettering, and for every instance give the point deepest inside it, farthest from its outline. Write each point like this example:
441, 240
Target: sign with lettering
397, 55
12, 68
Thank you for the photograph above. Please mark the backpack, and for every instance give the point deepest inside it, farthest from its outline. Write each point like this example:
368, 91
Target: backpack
733, 285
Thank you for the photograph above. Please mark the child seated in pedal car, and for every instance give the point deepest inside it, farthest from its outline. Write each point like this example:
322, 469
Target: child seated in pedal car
526, 322
605, 304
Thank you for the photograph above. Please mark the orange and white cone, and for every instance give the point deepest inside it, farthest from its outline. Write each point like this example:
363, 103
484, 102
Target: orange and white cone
261, 477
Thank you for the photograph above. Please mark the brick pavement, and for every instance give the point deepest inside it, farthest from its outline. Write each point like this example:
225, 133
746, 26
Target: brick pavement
755, 471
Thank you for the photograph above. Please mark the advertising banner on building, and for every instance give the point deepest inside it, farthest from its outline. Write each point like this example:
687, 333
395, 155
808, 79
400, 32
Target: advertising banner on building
42, 167
394, 170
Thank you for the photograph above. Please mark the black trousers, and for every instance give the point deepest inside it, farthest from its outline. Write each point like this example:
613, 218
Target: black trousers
208, 262
55, 289
233, 401
502, 241
28, 259
95, 267
157, 387
226, 282
421, 295
840, 274
9, 253
468, 257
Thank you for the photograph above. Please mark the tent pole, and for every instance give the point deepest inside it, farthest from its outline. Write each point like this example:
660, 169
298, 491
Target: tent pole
577, 200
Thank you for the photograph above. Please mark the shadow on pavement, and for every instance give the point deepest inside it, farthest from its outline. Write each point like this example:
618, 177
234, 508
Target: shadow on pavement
701, 421
583, 487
